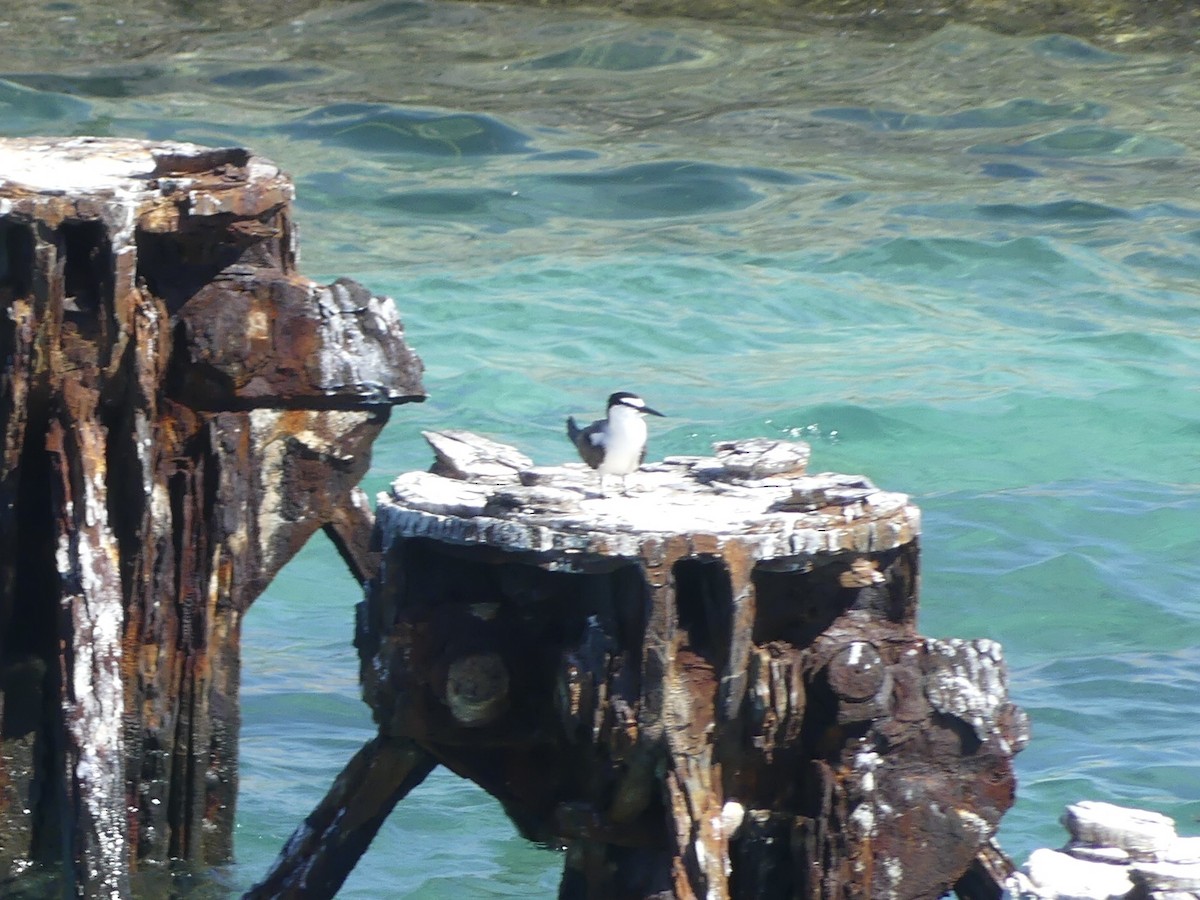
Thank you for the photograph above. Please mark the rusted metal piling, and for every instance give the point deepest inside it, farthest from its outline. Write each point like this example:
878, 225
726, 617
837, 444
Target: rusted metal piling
712, 687
179, 412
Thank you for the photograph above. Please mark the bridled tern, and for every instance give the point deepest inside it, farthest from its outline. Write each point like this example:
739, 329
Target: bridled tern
616, 444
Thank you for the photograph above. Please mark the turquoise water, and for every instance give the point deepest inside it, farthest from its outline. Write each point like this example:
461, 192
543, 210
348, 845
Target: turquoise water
966, 265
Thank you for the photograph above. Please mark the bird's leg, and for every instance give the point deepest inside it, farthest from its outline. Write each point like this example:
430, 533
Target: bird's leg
624, 485
600, 475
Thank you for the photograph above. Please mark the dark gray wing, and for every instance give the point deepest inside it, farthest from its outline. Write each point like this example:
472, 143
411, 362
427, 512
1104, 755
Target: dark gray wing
586, 441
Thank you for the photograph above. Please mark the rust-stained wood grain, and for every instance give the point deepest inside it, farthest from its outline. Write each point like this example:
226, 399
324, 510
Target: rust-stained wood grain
179, 411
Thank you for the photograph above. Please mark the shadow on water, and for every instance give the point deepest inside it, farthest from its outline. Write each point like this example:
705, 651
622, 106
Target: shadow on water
382, 128
27, 110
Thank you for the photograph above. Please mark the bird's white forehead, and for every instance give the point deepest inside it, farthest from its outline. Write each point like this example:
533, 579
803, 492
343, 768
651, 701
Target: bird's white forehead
633, 401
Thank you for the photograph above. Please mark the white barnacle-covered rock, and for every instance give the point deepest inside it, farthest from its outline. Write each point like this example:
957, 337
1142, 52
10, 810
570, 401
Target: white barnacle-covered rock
761, 457
1166, 878
470, 457
1057, 875
1098, 854
1181, 850
1114, 852
1138, 832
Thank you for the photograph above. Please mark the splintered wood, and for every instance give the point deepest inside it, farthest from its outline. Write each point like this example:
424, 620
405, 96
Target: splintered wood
179, 411
711, 687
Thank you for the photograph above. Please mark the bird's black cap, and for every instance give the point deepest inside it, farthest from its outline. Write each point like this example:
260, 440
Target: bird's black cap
633, 401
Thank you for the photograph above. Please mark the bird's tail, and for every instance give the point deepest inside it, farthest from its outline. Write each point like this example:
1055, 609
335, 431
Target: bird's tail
573, 430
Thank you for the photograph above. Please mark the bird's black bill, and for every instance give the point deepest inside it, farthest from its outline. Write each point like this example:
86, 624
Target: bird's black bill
653, 412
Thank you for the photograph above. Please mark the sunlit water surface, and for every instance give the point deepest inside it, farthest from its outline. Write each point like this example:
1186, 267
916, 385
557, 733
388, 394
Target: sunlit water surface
964, 264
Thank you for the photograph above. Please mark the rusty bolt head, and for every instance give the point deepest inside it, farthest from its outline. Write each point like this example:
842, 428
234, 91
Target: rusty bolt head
856, 672
477, 689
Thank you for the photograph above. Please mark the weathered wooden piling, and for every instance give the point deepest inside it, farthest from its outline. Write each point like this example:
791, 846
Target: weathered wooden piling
179, 412
712, 687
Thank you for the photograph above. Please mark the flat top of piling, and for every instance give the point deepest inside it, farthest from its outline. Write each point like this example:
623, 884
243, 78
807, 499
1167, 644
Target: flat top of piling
87, 164
755, 492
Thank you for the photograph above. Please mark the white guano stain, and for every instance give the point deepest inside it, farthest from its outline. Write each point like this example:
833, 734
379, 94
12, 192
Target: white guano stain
87, 556
664, 500
971, 685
